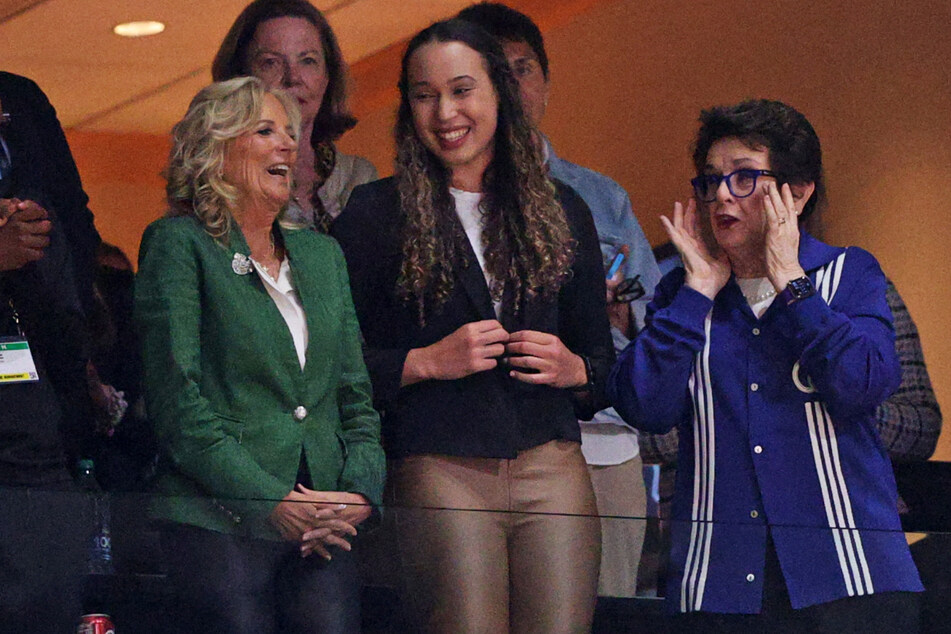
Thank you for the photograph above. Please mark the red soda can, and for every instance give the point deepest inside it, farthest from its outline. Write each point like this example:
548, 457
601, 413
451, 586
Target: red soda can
96, 624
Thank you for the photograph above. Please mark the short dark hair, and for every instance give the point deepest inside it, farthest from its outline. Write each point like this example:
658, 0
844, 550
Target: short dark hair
508, 25
793, 145
231, 60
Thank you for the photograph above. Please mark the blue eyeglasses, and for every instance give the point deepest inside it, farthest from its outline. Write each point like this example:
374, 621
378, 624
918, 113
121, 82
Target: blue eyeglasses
741, 183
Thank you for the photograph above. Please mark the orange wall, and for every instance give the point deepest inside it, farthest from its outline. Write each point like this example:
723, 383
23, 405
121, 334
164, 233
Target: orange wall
871, 75
121, 175
628, 80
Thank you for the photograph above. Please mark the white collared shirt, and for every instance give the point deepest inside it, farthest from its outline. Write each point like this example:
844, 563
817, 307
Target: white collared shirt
284, 294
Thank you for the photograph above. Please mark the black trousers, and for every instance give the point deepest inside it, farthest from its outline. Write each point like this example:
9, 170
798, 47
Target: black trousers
44, 542
238, 585
880, 613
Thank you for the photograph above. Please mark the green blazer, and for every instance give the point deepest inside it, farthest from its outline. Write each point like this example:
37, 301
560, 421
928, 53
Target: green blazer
231, 407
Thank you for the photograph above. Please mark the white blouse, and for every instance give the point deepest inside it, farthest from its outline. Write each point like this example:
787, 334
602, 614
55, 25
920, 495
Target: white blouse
284, 294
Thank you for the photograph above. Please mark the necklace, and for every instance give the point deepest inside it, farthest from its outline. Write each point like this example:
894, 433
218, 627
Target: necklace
762, 297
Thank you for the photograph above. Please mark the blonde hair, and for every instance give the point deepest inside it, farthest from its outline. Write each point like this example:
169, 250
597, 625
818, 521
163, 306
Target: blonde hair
219, 114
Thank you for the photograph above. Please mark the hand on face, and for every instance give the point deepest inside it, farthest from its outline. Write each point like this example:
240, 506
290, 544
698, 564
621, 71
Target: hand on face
24, 233
758, 231
706, 273
782, 235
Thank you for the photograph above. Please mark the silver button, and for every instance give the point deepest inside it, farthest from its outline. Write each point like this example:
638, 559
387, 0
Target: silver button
756, 331
758, 449
750, 577
300, 412
754, 386
754, 514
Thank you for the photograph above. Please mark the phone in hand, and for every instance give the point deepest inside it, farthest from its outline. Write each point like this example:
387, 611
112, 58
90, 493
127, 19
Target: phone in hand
615, 265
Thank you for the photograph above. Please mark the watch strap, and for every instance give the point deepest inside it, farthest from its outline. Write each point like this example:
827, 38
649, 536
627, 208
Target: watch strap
797, 290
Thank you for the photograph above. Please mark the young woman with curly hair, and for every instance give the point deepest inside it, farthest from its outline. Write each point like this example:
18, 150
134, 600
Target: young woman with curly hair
479, 288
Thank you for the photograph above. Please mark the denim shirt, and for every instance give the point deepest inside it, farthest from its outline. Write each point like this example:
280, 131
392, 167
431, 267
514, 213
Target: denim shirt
616, 225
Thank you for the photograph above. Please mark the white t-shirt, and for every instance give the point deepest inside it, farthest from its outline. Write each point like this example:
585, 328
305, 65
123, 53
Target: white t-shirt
470, 215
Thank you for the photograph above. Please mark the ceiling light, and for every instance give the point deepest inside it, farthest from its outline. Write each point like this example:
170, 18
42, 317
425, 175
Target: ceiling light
138, 28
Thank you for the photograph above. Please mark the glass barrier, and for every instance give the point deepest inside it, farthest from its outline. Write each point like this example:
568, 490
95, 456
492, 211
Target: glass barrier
69, 553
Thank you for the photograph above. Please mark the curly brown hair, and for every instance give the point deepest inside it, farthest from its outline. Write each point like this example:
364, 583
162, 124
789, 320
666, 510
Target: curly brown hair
525, 236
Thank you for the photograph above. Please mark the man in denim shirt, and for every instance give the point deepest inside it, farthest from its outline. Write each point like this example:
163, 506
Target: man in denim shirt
608, 443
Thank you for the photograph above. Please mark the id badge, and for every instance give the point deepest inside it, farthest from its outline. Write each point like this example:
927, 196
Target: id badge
16, 361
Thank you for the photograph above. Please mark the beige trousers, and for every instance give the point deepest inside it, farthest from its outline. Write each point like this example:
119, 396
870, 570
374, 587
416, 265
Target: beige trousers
497, 546
620, 493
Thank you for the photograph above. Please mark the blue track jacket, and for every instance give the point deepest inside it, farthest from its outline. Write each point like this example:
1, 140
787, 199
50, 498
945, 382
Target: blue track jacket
777, 434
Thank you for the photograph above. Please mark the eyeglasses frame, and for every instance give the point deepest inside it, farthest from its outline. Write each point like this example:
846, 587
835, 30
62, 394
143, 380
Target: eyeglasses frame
698, 180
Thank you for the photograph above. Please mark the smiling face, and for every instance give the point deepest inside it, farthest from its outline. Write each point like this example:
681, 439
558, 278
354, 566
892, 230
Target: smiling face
532, 83
455, 109
738, 224
259, 162
288, 53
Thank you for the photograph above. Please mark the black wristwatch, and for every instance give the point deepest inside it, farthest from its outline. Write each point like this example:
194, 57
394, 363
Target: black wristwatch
797, 290
589, 376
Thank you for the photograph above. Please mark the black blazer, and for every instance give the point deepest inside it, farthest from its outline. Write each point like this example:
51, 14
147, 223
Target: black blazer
44, 171
487, 414
38, 420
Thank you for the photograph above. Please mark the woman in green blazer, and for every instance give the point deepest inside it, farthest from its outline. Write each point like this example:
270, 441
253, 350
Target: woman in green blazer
255, 380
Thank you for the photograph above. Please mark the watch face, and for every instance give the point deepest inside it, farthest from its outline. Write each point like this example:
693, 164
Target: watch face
801, 288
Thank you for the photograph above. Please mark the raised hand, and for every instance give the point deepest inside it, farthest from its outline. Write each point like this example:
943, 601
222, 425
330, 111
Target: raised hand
474, 347
554, 364
706, 273
782, 236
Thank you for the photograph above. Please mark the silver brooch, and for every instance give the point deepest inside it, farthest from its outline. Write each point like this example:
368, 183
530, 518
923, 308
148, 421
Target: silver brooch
241, 264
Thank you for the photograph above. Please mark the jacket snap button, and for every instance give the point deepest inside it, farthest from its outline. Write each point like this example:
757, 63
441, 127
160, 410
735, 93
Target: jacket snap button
300, 412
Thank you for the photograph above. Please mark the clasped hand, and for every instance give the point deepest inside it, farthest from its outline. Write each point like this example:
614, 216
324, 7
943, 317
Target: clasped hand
24, 232
478, 346
319, 519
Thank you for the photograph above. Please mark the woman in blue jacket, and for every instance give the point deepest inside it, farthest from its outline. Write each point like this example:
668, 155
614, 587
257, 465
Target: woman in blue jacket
781, 348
